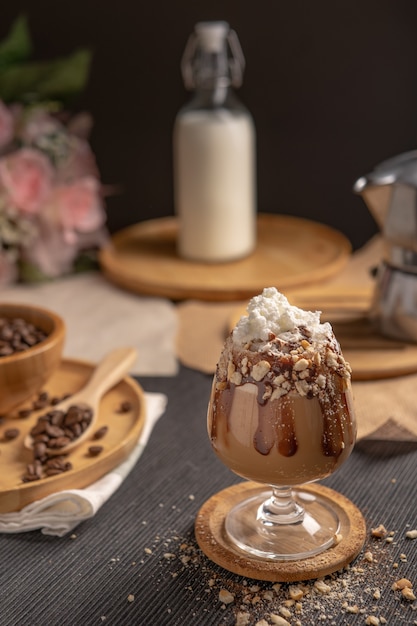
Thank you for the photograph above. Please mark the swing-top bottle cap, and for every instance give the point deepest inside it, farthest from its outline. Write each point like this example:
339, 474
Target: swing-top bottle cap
215, 39
212, 35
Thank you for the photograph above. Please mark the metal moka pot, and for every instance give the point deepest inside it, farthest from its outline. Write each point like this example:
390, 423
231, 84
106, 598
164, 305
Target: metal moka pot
390, 193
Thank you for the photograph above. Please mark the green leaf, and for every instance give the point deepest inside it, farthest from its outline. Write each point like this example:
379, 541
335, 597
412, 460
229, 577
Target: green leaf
58, 79
17, 46
29, 273
86, 261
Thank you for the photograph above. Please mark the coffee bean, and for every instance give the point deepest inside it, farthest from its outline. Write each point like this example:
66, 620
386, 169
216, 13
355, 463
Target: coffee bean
41, 438
76, 429
39, 450
99, 434
39, 428
53, 431
33, 471
53, 472
40, 404
95, 450
30, 477
125, 407
11, 433
58, 442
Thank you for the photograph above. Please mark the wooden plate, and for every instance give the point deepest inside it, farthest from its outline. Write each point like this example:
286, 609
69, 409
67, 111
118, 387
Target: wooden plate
124, 430
290, 251
212, 538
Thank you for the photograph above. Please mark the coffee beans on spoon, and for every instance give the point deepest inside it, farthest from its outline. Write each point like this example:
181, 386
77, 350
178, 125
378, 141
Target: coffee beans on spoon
56, 429
18, 335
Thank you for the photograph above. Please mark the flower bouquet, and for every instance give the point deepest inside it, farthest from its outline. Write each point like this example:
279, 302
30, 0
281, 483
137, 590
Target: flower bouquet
52, 215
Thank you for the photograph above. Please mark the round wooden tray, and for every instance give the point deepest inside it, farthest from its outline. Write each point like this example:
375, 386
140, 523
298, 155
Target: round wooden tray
124, 430
212, 538
290, 251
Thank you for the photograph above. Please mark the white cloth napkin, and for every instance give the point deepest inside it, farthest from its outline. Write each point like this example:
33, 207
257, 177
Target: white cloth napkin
61, 512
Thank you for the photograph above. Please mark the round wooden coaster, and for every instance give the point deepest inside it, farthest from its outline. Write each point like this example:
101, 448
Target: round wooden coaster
213, 541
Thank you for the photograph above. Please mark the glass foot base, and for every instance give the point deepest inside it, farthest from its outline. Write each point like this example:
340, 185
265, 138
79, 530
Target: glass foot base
258, 534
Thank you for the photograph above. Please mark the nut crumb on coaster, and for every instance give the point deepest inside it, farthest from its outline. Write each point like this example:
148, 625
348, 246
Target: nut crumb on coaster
213, 541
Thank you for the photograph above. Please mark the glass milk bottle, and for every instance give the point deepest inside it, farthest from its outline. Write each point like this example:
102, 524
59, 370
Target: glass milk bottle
214, 152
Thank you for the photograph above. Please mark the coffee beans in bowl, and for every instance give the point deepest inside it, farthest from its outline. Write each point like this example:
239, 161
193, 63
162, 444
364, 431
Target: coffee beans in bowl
17, 335
31, 345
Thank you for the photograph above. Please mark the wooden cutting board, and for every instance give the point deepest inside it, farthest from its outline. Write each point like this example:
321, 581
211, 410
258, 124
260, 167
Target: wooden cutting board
290, 251
124, 429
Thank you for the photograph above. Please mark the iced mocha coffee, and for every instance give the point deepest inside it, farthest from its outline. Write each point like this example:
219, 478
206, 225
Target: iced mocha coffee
281, 409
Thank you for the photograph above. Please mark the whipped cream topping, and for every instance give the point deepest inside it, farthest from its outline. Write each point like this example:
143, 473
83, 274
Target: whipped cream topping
284, 348
270, 314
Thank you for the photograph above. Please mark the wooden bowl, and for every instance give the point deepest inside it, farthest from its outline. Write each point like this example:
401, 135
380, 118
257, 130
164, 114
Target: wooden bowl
22, 374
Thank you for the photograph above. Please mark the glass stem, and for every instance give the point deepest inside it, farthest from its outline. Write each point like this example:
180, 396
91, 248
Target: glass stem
280, 508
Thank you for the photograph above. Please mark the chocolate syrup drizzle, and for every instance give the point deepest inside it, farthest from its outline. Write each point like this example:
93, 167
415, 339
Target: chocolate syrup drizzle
280, 429
335, 412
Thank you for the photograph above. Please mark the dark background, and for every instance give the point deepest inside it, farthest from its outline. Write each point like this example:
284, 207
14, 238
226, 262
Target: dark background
332, 87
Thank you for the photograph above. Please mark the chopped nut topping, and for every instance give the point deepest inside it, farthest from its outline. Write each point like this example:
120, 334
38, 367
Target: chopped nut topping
300, 365
411, 534
236, 378
226, 597
260, 369
379, 532
278, 620
402, 584
408, 594
321, 586
296, 593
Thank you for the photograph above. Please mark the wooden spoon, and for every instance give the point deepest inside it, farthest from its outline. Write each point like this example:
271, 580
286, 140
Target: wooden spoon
109, 371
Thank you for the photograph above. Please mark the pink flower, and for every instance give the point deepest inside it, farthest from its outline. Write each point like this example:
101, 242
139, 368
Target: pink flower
49, 252
60, 235
6, 125
80, 162
79, 206
26, 175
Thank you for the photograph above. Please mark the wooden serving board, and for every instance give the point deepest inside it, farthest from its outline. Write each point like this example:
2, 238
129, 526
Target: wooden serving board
290, 251
124, 430
214, 542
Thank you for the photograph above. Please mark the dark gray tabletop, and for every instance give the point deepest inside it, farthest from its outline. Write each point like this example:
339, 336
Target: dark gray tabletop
136, 562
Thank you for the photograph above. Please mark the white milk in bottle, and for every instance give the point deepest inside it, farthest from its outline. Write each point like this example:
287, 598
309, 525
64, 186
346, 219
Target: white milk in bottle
214, 153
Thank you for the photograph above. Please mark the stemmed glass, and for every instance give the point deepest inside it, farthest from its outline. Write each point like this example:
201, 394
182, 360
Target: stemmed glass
282, 443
